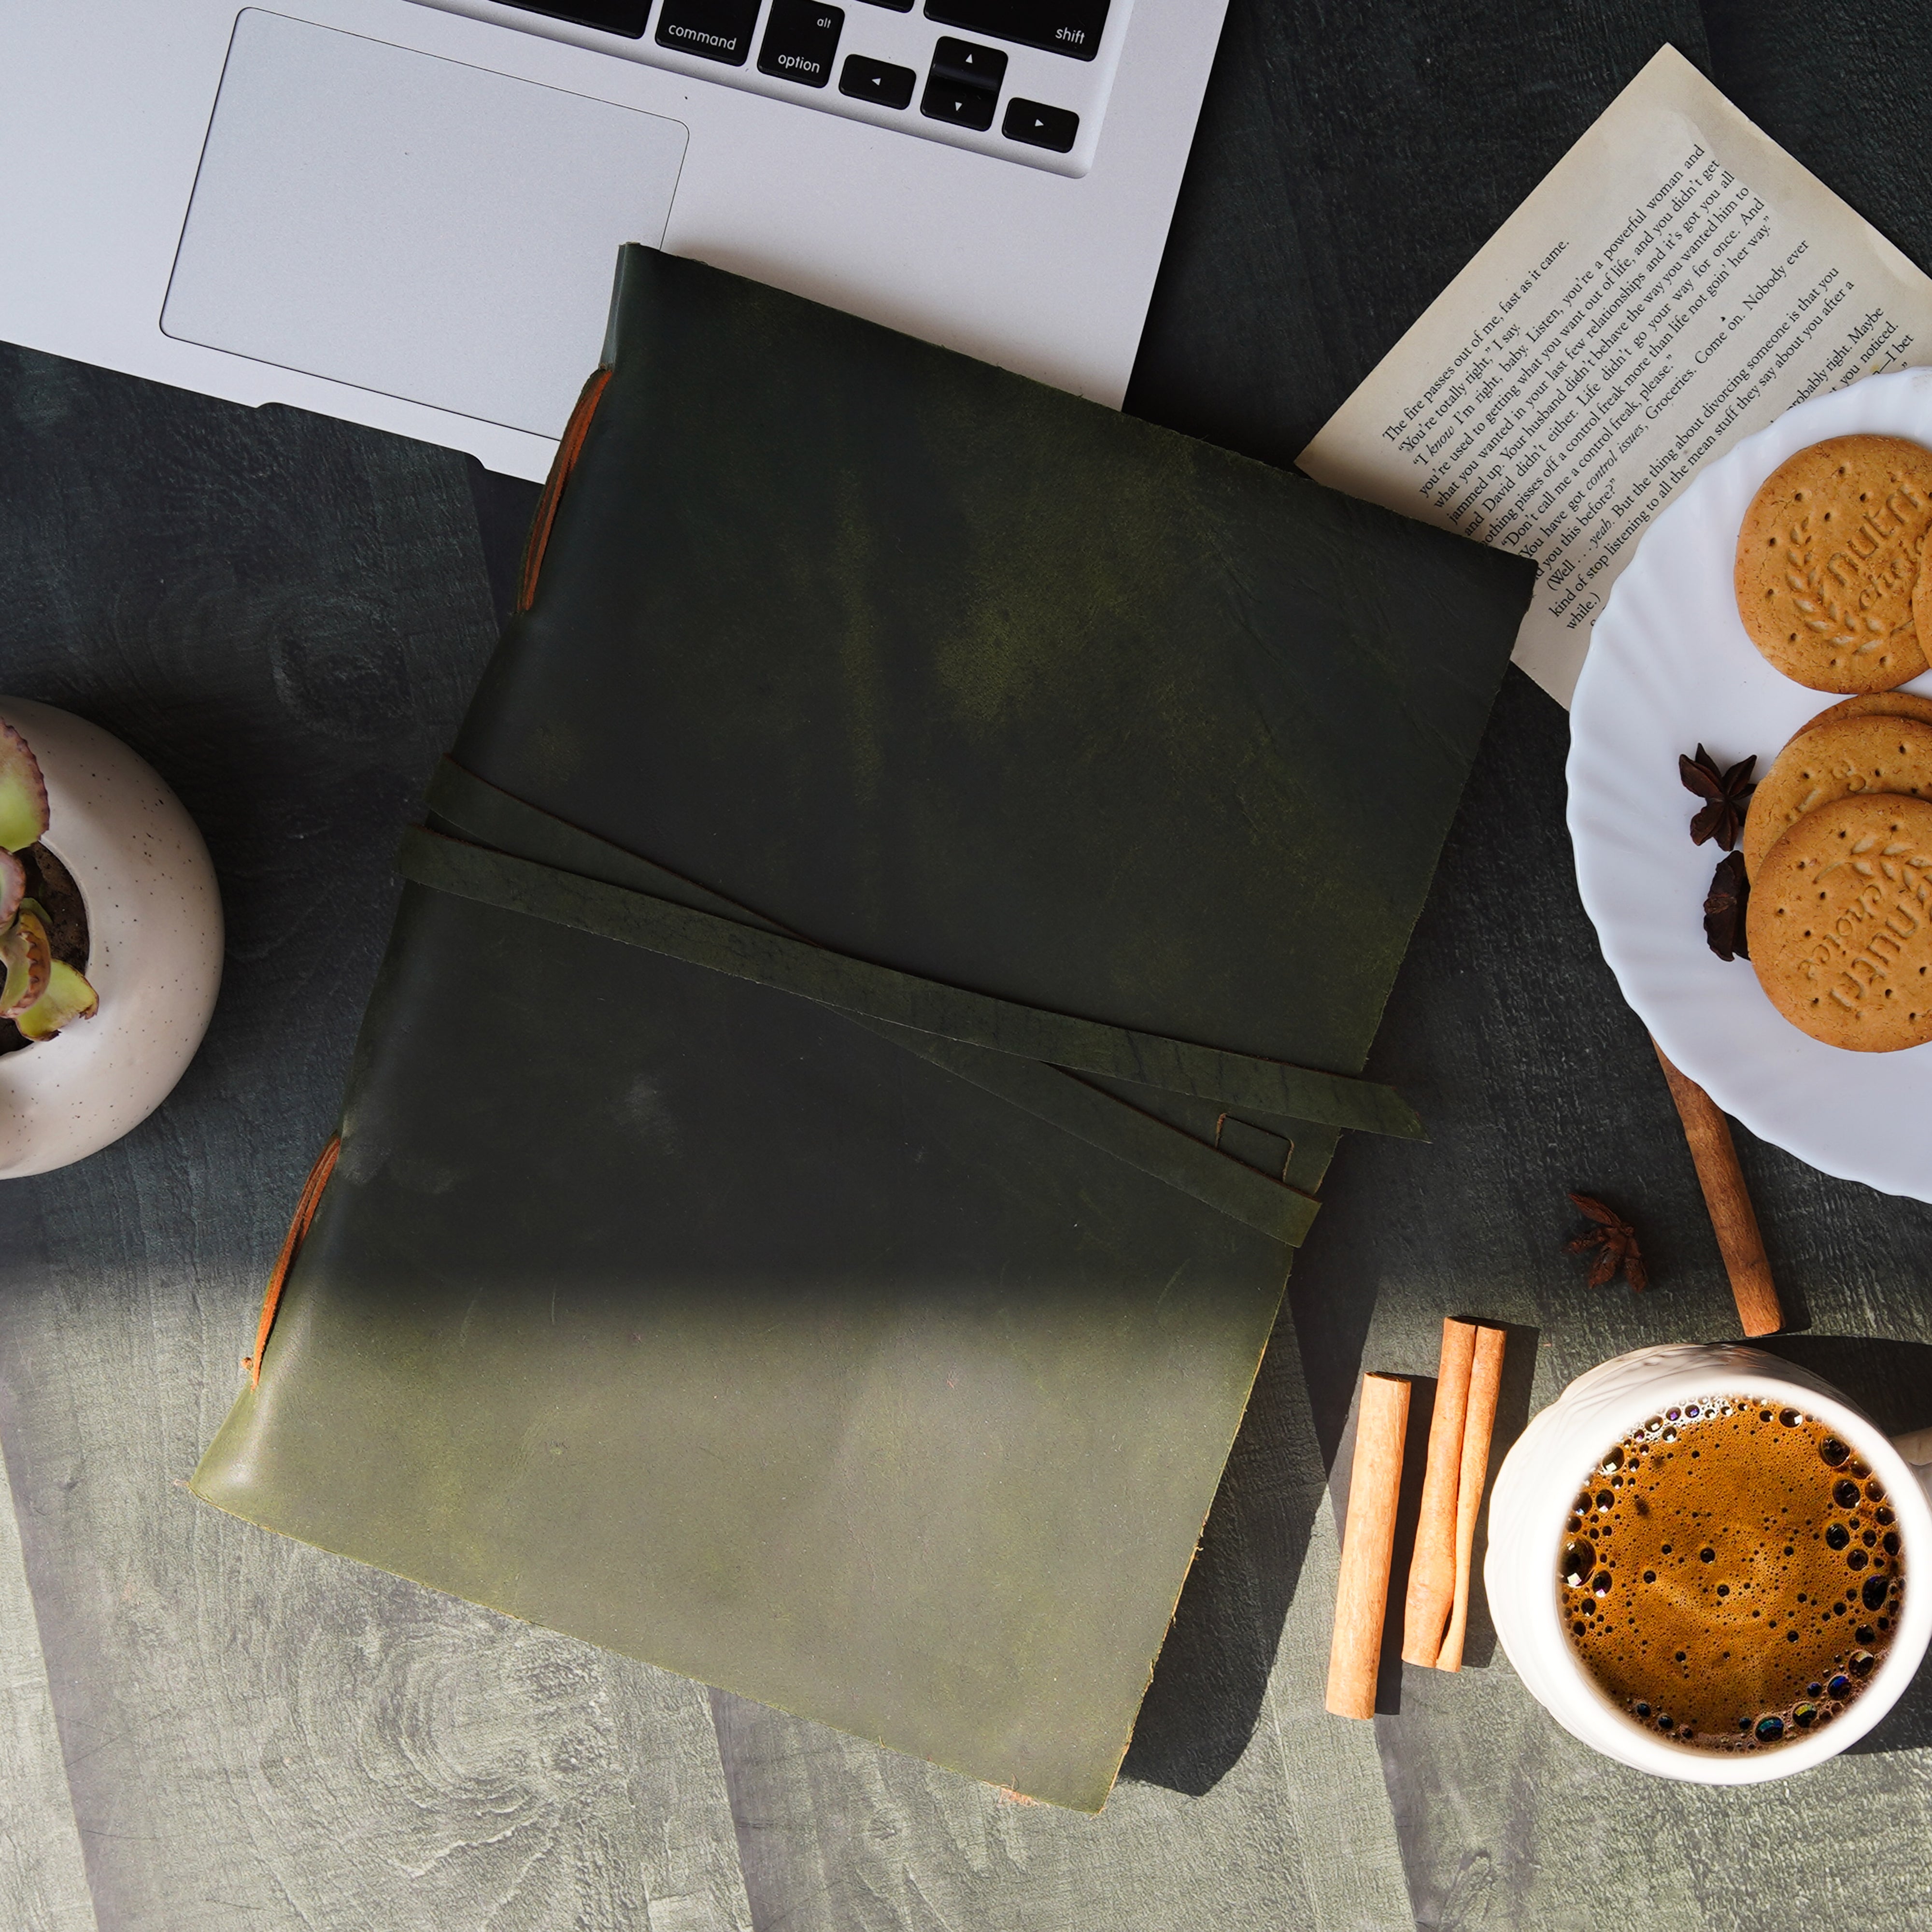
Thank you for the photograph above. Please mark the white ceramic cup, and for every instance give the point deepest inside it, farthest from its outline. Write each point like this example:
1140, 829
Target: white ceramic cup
1529, 1512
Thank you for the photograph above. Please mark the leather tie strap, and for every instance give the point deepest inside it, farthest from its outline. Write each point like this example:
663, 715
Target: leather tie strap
1283, 1213
1021, 1053
737, 942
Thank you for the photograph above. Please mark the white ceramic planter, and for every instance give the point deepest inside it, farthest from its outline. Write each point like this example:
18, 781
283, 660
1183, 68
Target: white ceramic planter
153, 918
1529, 1509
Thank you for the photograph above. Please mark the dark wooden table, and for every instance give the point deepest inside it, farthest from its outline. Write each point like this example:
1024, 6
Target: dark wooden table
202, 1725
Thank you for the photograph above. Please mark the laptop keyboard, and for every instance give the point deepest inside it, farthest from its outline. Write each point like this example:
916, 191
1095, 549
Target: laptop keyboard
1023, 80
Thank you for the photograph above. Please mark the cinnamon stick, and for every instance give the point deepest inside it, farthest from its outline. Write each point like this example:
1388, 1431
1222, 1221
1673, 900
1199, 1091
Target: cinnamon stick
1361, 1595
1432, 1569
1486, 1385
1729, 1202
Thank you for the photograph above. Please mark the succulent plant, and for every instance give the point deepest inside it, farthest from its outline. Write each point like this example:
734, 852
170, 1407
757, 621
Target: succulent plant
43, 987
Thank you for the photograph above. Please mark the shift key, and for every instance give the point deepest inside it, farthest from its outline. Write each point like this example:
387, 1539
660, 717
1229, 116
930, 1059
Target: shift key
1071, 27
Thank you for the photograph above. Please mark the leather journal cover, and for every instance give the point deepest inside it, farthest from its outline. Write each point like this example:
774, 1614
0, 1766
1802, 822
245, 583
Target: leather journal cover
890, 956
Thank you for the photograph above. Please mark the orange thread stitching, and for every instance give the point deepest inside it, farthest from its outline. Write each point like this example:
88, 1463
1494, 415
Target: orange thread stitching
568, 450
311, 1199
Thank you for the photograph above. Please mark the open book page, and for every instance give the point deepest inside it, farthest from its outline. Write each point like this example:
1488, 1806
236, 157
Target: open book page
1675, 282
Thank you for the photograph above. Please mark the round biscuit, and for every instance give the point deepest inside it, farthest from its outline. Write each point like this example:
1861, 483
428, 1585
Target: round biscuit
1871, 704
1840, 923
1922, 601
1840, 759
1827, 563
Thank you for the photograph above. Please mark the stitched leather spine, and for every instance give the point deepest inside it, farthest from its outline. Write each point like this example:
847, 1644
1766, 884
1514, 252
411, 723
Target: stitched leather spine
298, 1227
568, 451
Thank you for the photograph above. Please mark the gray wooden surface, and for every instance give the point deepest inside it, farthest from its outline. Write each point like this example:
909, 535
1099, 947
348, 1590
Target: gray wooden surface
285, 616
202, 1725
43, 1879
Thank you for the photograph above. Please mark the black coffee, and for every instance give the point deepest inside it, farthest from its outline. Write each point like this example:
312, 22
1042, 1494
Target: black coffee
1732, 1575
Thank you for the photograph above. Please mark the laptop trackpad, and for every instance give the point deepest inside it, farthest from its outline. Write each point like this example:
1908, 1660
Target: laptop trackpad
411, 225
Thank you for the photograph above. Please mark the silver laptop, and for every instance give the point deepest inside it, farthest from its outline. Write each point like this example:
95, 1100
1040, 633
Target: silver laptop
405, 212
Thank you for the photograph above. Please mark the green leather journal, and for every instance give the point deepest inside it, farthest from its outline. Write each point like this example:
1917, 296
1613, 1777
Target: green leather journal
889, 961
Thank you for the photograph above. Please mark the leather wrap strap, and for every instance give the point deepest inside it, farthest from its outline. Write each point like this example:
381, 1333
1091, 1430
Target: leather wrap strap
1031, 1057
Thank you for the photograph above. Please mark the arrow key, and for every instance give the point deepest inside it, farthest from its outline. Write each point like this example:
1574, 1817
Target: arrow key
1039, 127
877, 81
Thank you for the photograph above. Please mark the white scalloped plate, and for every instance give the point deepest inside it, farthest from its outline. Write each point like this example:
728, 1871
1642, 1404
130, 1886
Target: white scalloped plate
1669, 665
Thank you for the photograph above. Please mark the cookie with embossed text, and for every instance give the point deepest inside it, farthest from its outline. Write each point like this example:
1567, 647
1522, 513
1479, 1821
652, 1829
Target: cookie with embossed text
1840, 923
1828, 560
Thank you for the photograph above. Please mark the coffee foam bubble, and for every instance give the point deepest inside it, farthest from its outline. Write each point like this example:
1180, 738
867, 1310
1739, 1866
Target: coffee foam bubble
1732, 1575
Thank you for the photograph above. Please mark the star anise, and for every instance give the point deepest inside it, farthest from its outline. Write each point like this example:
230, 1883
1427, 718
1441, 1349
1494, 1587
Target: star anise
1724, 908
1615, 1240
1727, 795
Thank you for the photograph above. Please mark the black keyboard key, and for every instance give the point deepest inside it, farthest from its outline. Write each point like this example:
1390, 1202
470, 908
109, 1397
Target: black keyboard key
1039, 127
897, 6
719, 30
878, 81
958, 102
612, 16
1071, 27
977, 67
800, 39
